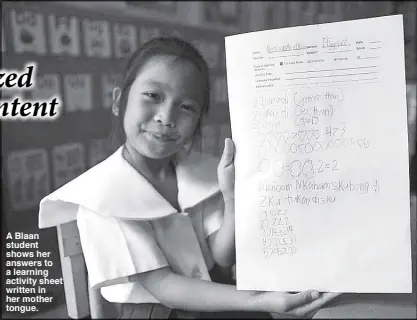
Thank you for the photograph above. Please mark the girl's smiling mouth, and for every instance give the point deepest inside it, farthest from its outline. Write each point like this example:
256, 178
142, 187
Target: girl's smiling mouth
161, 136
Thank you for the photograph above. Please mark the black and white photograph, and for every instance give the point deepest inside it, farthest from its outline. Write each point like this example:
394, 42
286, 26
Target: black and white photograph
208, 160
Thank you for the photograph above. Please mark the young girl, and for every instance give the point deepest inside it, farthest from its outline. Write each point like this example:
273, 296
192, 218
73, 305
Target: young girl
156, 217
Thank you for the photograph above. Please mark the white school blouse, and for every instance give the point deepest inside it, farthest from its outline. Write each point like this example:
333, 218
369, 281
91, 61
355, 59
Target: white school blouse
127, 227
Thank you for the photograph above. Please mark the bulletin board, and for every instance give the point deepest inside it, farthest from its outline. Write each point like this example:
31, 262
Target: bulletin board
80, 56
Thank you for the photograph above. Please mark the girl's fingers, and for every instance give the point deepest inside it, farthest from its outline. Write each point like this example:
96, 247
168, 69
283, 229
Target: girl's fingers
300, 299
317, 304
228, 153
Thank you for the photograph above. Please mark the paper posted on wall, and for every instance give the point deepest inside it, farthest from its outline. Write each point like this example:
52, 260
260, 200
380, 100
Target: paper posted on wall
319, 120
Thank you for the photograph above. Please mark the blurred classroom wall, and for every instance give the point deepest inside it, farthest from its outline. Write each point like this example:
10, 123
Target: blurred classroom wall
81, 48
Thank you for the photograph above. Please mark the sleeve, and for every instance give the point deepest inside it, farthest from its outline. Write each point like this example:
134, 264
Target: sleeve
213, 214
115, 249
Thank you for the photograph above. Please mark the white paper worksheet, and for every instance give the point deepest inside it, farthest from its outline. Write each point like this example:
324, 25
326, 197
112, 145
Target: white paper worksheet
319, 119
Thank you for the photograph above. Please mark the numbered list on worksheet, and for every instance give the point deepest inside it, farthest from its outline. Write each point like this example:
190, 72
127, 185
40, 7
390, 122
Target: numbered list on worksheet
318, 116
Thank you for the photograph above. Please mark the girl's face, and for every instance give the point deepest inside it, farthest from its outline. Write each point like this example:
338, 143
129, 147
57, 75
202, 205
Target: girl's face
163, 107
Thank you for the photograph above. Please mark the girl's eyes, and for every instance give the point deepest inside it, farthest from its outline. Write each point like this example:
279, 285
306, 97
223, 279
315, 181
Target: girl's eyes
152, 96
188, 108
155, 97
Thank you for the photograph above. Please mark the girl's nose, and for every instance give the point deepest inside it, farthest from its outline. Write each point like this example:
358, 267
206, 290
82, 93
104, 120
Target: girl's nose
166, 115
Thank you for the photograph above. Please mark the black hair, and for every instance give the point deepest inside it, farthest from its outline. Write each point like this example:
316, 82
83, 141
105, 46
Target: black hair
172, 46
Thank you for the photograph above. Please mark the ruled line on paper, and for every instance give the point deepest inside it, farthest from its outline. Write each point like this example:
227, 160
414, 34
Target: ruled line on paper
290, 55
337, 51
278, 51
333, 75
313, 83
339, 69
368, 57
319, 86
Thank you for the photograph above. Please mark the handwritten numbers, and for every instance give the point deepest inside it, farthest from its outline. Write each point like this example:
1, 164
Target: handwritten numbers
308, 169
296, 168
28, 32
97, 38
125, 40
28, 178
320, 166
334, 166
278, 238
64, 35
68, 162
78, 95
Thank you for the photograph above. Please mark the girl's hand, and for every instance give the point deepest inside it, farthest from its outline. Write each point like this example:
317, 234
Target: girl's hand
226, 170
297, 305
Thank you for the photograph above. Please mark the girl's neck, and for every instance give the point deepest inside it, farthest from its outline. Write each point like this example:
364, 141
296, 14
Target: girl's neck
153, 169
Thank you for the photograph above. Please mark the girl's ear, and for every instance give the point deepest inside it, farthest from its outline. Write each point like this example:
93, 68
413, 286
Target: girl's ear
117, 92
